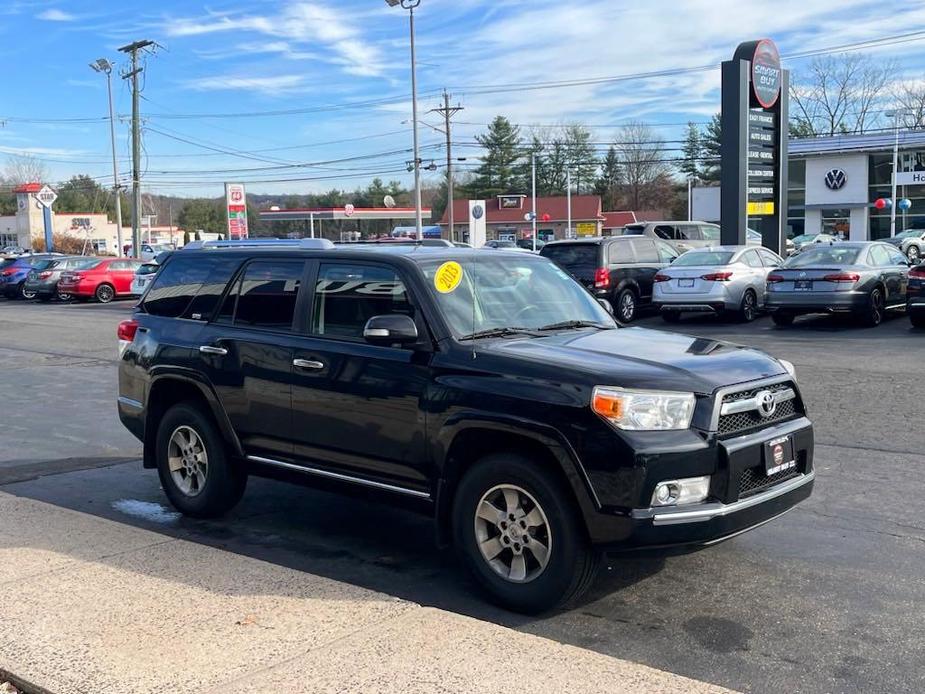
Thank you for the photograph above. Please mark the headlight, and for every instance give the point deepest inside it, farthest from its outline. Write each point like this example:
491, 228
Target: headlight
643, 410
791, 369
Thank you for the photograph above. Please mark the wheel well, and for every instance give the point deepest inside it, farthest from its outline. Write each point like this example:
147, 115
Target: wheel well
164, 394
472, 445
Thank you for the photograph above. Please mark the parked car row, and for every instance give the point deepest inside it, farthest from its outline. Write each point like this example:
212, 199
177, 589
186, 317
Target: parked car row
864, 279
49, 276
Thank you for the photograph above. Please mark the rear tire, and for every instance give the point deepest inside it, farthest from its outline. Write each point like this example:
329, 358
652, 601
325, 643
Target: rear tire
541, 558
105, 293
25, 293
193, 464
782, 319
748, 309
627, 305
671, 316
872, 316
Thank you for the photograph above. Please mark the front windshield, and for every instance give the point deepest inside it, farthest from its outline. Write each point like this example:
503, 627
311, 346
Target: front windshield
510, 292
703, 258
828, 256
909, 234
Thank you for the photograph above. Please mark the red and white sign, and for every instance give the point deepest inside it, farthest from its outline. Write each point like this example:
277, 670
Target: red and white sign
236, 208
349, 209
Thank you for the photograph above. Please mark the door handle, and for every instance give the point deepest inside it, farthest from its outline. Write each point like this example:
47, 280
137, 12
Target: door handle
308, 364
209, 349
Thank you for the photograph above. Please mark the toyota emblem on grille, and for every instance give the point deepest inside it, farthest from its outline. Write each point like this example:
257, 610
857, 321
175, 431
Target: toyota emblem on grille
767, 403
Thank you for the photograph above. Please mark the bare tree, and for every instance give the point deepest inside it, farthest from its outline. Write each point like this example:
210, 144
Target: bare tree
643, 161
909, 98
24, 169
839, 94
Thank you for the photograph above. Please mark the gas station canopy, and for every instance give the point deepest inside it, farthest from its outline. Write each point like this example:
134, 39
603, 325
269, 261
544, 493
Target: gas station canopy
342, 213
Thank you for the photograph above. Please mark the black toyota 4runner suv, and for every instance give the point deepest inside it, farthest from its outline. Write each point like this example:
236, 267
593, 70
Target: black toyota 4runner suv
491, 390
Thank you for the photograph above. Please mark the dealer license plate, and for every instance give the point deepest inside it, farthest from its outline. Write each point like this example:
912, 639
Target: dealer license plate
803, 285
778, 455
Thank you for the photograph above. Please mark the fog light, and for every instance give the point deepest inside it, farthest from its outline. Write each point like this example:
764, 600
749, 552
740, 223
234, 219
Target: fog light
691, 490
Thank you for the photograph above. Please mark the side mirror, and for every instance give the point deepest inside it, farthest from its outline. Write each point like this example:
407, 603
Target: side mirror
606, 305
390, 329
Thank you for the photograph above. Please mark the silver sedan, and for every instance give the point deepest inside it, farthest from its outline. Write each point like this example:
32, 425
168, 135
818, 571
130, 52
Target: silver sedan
720, 279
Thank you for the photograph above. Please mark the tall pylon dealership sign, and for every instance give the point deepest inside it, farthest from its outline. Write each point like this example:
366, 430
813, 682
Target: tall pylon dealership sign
753, 151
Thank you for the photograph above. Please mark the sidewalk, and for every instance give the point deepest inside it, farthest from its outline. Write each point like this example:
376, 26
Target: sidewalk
90, 606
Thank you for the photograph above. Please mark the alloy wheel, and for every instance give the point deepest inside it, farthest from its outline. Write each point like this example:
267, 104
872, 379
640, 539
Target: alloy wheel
627, 307
187, 460
26, 294
876, 307
105, 294
513, 534
749, 306
913, 253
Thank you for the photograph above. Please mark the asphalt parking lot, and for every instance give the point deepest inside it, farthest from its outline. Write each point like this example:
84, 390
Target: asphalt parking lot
826, 599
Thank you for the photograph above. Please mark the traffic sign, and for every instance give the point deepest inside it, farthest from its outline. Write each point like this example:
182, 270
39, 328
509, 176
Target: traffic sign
46, 197
349, 209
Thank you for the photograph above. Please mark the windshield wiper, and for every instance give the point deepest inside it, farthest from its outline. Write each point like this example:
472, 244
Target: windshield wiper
567, 324
499, 332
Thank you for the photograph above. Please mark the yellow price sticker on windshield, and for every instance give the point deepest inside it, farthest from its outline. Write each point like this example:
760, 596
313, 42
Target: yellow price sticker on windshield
448, 277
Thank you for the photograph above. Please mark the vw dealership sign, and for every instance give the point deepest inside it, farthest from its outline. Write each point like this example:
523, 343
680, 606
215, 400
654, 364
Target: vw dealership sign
835, 179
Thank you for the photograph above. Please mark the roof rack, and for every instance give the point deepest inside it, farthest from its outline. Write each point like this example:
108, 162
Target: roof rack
438, 243
311, 244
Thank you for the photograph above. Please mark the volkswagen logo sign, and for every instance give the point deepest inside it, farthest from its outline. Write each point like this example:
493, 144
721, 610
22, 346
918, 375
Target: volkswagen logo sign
767, 403
835, 179
477, 211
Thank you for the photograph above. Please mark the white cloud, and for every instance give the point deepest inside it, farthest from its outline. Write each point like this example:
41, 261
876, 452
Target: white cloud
297, 28
55, 15
267, 85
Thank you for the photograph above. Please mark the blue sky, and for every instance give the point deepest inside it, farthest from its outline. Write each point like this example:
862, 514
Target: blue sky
230, 57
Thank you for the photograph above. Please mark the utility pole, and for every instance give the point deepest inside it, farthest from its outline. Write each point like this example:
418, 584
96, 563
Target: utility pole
132, 49
568, 188
533, 185
448, 112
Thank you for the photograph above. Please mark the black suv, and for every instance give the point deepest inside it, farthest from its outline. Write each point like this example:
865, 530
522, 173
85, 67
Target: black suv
489, 390
620, 269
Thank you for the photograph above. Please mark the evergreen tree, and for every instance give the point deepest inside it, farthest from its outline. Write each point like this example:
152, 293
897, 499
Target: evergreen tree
581, 158
607, 183
498, 172
692, 153
711, 140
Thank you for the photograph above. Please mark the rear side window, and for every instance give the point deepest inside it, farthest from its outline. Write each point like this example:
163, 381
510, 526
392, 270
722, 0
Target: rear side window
709, 232
634, 230
664, 231
347, 296
645, 251
880, 256
751, 259
570, 255
620, 252
265, 295
182, 280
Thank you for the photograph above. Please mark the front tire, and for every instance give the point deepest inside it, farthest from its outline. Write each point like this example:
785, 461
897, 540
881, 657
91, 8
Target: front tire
913, 254
518, 532
626, 305
193, 465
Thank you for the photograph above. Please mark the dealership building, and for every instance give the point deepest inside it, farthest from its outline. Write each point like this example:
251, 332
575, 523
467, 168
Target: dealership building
834, 182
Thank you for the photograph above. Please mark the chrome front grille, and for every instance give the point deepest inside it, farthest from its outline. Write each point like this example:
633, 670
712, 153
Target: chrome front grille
740, 412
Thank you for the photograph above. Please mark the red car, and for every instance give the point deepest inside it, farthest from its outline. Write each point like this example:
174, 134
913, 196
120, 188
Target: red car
104, 281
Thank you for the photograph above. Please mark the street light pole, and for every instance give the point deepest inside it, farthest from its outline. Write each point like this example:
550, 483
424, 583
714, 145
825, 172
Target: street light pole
410, 5
103, 65
533, 177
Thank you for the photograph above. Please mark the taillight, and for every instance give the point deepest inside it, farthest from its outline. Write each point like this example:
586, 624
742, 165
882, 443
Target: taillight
717, 277
601, 278
127, 329
918, 272
74, 276
659, 277
842, 277
9, 271
44, 275
775, 278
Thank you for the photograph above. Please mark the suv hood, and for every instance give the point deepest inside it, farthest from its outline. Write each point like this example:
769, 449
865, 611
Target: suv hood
642, 358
